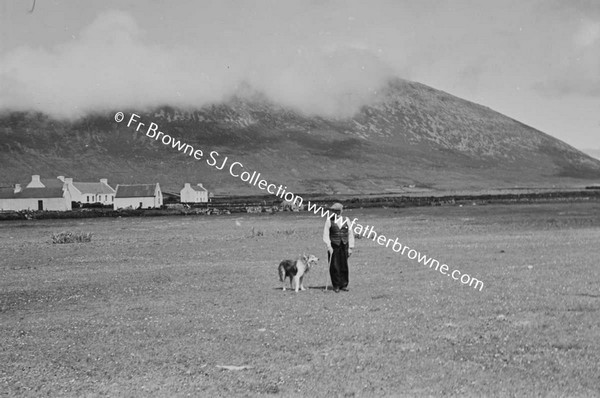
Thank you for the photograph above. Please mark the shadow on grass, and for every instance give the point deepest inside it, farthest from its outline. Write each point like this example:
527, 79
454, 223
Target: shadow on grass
287, 288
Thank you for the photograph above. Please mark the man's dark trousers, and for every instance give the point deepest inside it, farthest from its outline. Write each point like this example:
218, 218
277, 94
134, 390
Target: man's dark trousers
338, 269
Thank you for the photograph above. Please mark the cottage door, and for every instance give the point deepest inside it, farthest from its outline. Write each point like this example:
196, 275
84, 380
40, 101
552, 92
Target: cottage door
40, 205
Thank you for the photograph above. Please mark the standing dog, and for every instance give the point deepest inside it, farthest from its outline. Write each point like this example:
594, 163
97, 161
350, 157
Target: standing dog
296, 270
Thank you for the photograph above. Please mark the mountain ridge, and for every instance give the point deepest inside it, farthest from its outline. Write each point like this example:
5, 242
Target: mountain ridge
411, 134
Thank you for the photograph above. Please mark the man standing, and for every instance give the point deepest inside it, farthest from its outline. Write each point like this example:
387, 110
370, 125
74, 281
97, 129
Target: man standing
339, 240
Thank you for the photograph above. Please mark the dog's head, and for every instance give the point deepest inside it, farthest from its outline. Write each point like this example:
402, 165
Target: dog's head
310, 260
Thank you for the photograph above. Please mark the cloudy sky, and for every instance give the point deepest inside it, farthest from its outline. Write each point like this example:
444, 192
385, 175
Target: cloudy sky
537, 61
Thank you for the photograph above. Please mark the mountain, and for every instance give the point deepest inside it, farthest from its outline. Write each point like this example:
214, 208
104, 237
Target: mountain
410, 134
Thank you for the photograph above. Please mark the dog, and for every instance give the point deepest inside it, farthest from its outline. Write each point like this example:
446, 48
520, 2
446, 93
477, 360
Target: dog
296, 269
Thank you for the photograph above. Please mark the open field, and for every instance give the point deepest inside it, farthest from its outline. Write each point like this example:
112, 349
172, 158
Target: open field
151, 306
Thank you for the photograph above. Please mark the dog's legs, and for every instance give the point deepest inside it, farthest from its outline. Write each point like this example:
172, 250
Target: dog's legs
296, 279
301, 285
291, 282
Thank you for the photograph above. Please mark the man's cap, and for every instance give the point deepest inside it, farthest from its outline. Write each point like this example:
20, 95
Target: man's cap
336, 206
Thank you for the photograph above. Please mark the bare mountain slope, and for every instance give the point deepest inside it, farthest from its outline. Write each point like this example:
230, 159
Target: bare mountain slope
411, 135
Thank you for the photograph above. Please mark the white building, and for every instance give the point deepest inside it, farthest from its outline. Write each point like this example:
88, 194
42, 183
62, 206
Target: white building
138, 196
57, 199
90, 192
83, 192
193, 193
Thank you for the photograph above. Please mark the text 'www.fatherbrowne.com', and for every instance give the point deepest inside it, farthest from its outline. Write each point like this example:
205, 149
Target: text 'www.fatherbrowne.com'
369, 232
236, 169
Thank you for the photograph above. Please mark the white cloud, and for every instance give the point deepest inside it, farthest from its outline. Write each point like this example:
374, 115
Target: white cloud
110, 66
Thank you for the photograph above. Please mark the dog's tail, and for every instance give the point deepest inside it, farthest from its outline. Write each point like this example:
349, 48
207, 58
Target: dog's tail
281, 272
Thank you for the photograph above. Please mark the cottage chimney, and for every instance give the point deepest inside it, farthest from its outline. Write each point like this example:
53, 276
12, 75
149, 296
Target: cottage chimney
18, 188
104, 181
187, 185
200, 185
62, 178
68, 181
35, 182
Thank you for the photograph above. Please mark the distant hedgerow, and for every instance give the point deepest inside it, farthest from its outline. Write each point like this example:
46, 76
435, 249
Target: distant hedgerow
72, 237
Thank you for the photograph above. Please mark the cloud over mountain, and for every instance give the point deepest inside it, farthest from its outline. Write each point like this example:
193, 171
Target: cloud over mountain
535, 61
110, 65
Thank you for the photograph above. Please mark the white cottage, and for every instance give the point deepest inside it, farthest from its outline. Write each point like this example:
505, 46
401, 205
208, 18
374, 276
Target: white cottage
138, 196
90, 192
83, 192
193, 193
56, 199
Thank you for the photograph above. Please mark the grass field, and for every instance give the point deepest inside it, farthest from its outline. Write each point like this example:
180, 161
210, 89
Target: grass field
153, 306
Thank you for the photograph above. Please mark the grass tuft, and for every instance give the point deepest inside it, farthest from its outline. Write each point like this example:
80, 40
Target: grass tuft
71, 237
